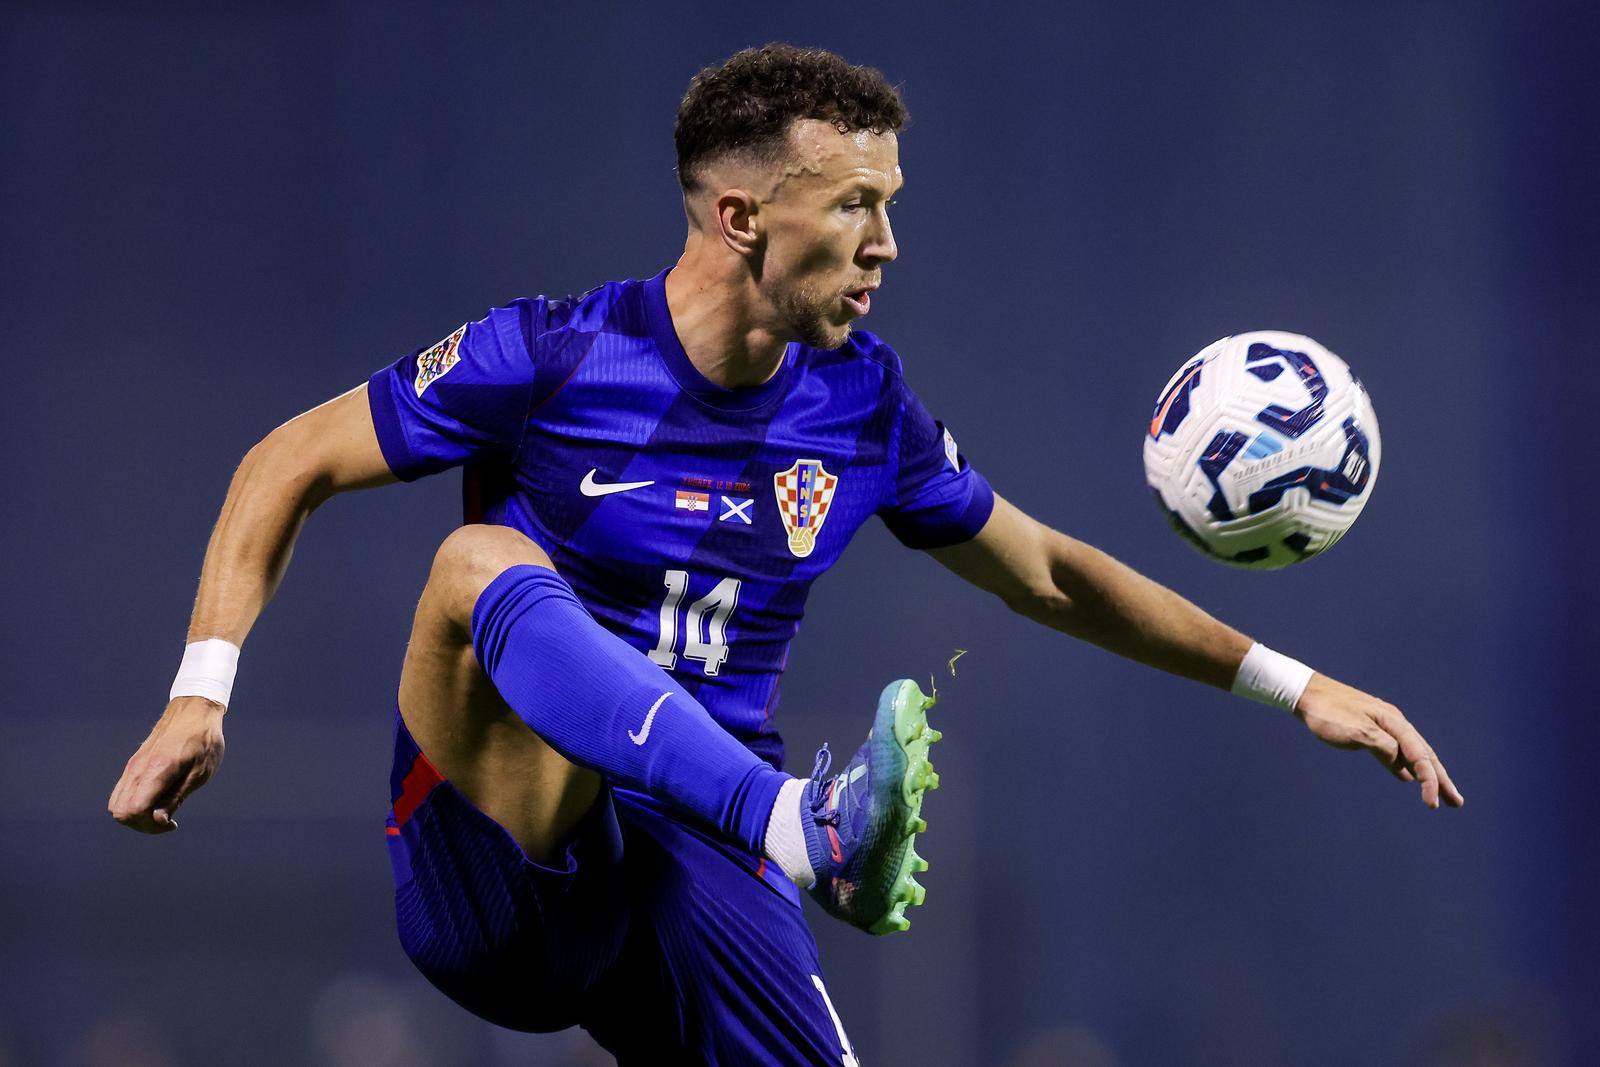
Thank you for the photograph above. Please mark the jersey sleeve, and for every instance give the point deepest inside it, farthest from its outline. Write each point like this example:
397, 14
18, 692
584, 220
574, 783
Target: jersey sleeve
465, 398
935, 498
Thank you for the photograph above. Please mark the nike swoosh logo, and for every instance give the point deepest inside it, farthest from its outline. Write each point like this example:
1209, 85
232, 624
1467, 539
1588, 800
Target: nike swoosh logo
650, 716
591, 487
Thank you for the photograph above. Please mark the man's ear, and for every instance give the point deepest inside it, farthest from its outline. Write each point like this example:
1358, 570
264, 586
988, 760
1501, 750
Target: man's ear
739, 221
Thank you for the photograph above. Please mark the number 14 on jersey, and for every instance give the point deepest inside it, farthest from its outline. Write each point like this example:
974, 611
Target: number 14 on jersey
705, 623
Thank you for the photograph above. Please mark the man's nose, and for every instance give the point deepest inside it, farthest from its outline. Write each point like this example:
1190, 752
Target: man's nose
879, 246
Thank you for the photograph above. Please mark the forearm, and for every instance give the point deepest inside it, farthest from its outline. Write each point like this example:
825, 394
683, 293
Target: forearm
1094, 597
329, 449
1079, 590
267, 503
1102, 601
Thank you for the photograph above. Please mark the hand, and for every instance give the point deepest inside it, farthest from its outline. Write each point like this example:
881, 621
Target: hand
1348, 718
180, 755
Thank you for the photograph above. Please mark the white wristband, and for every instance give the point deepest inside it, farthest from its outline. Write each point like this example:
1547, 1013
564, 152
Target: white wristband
207, 670
1271, 677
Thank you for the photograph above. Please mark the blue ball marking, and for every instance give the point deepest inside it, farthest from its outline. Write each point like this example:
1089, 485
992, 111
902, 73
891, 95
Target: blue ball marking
1289, 423
1213, 461
1264, 445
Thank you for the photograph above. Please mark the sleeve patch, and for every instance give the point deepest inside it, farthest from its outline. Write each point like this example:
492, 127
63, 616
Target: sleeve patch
949, 451
436, 362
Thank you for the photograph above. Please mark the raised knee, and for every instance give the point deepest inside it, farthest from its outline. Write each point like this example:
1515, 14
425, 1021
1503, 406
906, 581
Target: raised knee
473, 556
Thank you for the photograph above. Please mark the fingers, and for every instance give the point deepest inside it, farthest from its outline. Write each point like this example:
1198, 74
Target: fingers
166, 812
1429, 777
1415, 754
163, 815
180, 755
144, 799
1386, 749
1348, 718
1452, 796
146, 817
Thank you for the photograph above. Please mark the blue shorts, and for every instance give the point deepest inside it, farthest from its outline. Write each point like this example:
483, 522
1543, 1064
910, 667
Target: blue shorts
668, 945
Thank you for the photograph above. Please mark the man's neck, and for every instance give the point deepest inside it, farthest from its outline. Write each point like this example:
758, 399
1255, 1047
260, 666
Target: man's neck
712, 312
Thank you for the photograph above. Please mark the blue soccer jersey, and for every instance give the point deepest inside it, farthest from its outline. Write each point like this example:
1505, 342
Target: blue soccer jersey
689, 518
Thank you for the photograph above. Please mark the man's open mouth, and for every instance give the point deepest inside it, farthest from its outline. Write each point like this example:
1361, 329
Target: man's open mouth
860, 300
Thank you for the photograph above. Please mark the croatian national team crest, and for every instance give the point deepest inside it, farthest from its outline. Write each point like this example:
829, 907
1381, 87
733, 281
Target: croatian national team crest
436, 362
804, 492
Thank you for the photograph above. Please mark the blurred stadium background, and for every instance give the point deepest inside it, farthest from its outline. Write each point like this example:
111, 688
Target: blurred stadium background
214, 216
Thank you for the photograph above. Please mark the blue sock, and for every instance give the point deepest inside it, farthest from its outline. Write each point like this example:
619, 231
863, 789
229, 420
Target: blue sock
604, 705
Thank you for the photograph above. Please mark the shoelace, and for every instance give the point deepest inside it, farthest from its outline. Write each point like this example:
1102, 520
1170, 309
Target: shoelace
841, 791
824, 761
819, 771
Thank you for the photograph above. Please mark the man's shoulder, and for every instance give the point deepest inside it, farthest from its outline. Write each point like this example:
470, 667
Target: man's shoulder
545, 337
610, 307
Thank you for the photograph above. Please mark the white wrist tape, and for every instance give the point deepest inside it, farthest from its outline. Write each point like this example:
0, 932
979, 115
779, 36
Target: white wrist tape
207, 670
1271, 677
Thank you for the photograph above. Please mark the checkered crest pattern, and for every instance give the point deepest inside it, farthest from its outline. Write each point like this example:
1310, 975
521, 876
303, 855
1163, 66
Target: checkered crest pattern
804, 492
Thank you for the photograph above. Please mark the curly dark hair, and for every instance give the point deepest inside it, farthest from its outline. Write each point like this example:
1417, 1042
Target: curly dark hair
748, 103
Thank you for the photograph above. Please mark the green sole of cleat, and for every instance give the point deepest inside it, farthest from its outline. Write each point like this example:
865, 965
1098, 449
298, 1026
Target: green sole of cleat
906, 705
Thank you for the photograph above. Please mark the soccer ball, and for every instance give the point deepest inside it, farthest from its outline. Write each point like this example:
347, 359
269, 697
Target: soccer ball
1262, 449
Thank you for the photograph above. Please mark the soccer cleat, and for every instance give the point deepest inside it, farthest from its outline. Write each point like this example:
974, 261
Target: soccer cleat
860, 823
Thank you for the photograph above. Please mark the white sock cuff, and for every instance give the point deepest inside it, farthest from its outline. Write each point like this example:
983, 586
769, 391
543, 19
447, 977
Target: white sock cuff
786, 835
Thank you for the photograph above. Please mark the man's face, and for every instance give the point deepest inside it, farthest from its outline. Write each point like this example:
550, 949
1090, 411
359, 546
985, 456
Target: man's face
827, 229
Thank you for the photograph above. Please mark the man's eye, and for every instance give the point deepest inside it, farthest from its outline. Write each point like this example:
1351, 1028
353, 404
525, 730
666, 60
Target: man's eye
852, 207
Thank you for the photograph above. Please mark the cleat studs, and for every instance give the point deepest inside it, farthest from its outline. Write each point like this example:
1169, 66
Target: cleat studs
933, 780
918, 825
934, 735
919, 864
918, 893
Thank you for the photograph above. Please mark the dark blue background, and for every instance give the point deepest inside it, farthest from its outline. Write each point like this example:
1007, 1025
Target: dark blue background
213, 219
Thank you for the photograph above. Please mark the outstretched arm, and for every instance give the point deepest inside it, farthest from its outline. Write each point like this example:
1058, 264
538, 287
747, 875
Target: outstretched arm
285, 477
1079, 590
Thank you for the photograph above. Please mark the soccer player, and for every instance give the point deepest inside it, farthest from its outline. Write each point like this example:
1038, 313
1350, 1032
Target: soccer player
588, 823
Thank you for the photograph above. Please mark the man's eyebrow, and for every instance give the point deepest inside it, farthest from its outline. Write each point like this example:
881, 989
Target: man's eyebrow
863, 185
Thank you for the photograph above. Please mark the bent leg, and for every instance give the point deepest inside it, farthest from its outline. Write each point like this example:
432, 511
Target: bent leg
496, 624
458, 718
